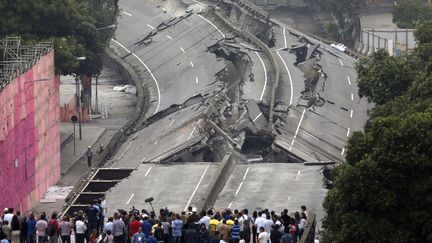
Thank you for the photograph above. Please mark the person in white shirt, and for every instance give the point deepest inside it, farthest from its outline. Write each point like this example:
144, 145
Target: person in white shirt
9, 215
263, 236
205, 219
268, 224
260, 221
80, 229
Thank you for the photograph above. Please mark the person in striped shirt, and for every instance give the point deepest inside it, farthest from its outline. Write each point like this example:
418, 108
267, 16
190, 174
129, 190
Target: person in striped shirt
235, 232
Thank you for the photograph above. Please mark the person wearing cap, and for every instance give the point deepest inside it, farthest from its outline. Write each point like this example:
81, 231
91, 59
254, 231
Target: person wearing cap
146, 225
193, 218
89, 155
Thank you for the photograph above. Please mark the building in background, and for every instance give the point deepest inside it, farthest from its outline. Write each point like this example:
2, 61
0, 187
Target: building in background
29, 123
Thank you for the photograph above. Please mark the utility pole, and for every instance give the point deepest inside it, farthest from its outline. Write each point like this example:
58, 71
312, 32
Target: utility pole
78, 105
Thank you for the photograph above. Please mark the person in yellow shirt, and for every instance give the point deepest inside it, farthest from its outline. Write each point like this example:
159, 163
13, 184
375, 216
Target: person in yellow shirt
213, 226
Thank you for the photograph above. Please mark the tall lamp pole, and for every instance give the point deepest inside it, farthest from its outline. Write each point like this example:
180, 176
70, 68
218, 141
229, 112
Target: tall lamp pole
78, 99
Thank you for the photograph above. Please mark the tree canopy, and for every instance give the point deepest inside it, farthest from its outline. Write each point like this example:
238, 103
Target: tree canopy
382, 77
408, 12
71, 24
383, 193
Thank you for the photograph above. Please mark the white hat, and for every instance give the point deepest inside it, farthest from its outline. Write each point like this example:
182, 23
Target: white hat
6, 210
194, 209
144, 216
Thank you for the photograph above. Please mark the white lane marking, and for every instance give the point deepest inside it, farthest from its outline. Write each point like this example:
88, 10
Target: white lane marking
340, 61
289, 75
213, 25
241, 183
169, 37
157, 140
193, 130
181, 48
172, 122
192, 64
348, 132
148, 171
151, 27
258, 116
148, 69
289, 197
265, 70
297, 130
265, 76
351, 113
229, 206
298, 175
343, 151
128, 14
142, 161
240, 186
352, 96
285, 39
130, 198
349, 80
196, 188
196, 80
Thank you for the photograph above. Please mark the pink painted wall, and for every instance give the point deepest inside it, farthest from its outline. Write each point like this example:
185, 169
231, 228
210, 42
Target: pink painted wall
29, 136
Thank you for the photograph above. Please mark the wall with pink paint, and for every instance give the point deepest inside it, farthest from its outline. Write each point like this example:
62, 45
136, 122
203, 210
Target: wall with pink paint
29, 135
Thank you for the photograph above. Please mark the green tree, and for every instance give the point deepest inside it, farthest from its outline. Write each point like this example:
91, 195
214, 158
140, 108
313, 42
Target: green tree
70, 24
384, 191
382, 77
409, 12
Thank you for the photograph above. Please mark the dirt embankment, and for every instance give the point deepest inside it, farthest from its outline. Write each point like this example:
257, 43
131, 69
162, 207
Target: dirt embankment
304, 19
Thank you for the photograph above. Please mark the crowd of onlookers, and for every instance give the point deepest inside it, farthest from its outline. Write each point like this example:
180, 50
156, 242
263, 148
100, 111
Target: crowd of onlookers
90, 225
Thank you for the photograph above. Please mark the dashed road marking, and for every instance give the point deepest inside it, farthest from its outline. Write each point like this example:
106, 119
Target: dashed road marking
298, 175
148, 171
340, 61
191, 63
348, 132
151, 27
349, 80
169, 37
285, 39
343, 151
128, 14
352, 96
258, 116
181, 48
196, 80
193, 130
351, 113
172, 122
130, 198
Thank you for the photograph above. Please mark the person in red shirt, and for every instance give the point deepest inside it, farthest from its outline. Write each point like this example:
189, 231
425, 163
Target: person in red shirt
52, 229
134, 225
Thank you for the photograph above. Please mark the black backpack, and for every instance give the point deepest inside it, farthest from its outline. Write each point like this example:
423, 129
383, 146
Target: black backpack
50, 229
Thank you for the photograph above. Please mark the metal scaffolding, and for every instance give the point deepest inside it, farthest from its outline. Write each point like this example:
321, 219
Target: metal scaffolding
16, 59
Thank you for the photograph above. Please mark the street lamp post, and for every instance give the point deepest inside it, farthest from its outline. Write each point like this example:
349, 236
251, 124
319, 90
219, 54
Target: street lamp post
78, 99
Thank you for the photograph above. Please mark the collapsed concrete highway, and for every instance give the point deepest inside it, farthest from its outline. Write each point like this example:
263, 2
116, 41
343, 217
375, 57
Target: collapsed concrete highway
227, 78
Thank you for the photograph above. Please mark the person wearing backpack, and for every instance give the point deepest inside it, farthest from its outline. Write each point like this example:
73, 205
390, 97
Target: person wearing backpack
52, 229
245, 222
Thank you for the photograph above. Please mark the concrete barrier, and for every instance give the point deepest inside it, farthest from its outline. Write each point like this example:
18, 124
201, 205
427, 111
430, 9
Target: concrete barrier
218, 182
